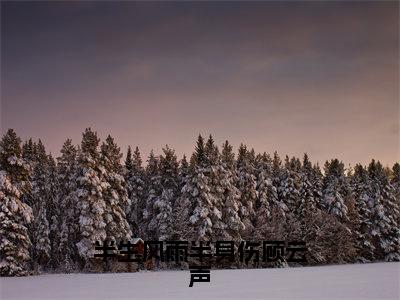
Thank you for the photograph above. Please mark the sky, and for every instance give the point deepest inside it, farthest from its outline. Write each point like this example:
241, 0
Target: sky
295, 77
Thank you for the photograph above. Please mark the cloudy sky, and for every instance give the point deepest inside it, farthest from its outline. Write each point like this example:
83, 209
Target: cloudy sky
316, 77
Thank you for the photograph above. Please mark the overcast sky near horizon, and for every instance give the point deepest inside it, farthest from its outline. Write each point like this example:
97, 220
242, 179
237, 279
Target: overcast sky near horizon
315, 77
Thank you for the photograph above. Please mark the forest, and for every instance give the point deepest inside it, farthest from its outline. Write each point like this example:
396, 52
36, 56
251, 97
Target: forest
54, 209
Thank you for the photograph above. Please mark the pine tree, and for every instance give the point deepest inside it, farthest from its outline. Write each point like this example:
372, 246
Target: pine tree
265, 191
216, 181
116, 195
54, 212
41, 199
162, 209
128, 160
231, 196
15, 215
385, 213
11, 160
182, 205
134, 177
183, 172
308, 214
307, 190
197, 192
154, 190
89, 196
362, 228
317, 183
69, 227
275, 198
247, 186
28, 151
289, 189
335, 189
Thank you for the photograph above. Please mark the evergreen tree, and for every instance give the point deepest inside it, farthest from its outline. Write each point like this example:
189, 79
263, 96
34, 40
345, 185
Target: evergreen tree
17, 169
216, 175
28, 151
154, 190
54, 212
233, 225
162, 208
385, 212
41, 198
317, 179
135, 179
182, 207
277, 175
308, 213
197, 191
307, 190
265, 191
91, 188
116, 195
69, 222
362, 228
15, 216
289, 190
335, 189
128, 159
247, 186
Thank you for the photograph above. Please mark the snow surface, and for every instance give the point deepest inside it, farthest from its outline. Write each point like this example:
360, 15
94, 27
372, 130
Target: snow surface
360, 281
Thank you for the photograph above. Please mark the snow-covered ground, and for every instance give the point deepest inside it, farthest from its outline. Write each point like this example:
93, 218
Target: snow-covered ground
361, 281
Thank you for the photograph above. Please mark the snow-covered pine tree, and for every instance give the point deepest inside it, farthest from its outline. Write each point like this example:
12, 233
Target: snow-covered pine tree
198, 192
317, 179
11, 161
275, 199
14, 239
41, 194
215, 174
289, 193
289, 189
153, 191
247, 186
252, 157
54, 212
116, 195
28, 155
265, 190
69, 227
231, 196
162, 209
128, 159
15, 215
135, 179
307, 190
385, 212
89, 197
309, 215
362, 226
335, 189
28, 151
182, 205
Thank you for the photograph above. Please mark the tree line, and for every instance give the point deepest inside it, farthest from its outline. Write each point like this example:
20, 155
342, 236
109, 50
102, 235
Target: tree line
53, 210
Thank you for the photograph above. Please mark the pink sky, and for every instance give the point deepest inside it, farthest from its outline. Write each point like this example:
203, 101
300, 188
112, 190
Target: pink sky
312, 77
